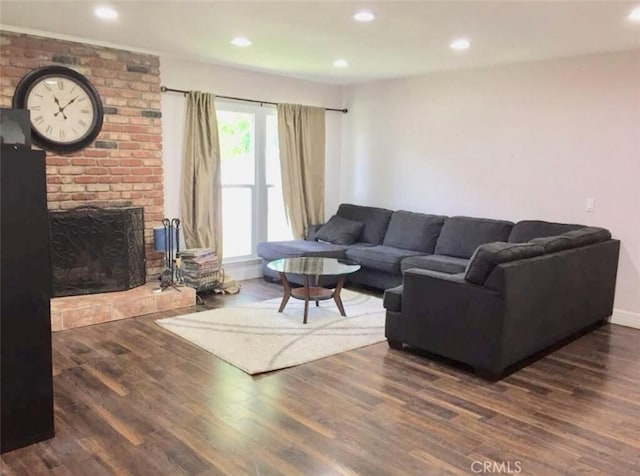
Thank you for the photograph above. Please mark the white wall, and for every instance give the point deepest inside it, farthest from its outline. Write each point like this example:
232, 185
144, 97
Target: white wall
191, 75
523, 141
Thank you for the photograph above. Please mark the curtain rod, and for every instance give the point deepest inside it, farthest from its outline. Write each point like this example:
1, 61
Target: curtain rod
165, 89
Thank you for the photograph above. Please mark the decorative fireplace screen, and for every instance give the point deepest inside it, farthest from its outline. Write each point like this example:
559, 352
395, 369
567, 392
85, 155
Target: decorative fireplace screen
96, 250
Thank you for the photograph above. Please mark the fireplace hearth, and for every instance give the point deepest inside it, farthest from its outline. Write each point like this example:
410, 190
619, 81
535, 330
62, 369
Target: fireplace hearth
96, 250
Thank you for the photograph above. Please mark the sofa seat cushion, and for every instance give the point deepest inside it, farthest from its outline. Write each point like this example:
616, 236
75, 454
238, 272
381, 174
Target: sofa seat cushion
339, 231
376, 221
440, 263
460, 236
382, 258
527, 230
413, 231
487, 256
362, 244
392, 299
292, 249
587, 235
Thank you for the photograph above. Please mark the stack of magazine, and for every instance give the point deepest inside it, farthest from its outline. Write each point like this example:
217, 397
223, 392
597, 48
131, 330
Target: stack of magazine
200, 268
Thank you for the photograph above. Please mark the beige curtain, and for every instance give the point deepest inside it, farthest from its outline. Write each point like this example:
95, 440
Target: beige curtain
201, 204
301, 133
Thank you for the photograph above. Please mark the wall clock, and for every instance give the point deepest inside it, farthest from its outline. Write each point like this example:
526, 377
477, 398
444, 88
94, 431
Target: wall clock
65, 109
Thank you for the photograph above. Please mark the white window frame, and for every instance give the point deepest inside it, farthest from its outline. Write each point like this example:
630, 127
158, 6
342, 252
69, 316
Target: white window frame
259, 207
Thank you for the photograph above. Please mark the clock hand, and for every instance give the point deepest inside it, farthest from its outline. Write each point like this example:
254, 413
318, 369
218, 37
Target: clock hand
60, 109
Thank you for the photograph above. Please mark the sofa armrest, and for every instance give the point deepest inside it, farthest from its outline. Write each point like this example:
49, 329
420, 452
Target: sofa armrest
311, 231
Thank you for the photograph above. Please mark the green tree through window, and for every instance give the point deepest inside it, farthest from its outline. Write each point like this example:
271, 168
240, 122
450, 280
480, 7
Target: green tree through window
235, 136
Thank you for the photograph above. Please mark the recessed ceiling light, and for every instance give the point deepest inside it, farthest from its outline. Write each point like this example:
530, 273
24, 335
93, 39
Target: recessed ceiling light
364, 16
241, 41
460, 44
341, 63
106, 13
635, 14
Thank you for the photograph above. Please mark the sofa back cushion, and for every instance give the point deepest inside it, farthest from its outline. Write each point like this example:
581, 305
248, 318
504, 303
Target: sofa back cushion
376, 221
339, 231
587, 235
413, 231
551, 244
527, 230
487, 256
460, 236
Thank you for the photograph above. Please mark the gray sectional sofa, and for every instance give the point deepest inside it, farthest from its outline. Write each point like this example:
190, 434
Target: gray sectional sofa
484, 292
390, 242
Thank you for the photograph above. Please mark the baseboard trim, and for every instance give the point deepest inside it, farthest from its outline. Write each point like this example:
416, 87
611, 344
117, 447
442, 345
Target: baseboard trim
243, 270
625, 318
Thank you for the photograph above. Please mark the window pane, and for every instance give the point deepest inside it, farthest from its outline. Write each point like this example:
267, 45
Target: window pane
278, 228
273, 151
236, 221
237, 147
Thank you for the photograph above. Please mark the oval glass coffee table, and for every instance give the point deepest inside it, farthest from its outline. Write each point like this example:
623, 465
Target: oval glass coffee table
313, 267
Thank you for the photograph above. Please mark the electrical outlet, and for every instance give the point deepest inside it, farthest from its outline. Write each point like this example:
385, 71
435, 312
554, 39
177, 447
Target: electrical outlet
590, 205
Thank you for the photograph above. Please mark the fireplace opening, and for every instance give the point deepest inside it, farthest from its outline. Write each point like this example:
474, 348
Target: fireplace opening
96, 250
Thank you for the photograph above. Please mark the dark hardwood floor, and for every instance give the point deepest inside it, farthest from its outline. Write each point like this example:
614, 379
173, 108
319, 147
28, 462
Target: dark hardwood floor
132, 398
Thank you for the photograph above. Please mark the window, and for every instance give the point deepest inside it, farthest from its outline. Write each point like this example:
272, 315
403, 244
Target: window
252, 205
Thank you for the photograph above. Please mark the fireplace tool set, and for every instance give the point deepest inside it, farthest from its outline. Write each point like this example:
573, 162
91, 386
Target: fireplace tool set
171, 274
197, 268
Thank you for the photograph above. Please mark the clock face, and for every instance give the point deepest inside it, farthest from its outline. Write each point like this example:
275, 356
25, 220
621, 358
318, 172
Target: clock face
65, 109
61, 109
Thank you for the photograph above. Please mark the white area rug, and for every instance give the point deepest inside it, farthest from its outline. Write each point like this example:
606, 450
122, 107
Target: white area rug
257, 338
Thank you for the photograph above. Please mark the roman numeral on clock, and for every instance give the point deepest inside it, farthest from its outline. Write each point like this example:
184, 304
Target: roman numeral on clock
82, 123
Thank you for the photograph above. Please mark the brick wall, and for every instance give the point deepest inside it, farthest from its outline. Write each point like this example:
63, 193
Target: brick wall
124, 164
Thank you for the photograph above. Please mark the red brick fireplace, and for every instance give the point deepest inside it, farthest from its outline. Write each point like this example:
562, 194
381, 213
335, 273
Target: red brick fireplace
123, 167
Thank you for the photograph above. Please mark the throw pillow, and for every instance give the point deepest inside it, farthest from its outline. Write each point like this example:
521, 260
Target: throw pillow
339, 231
488, 255
551, 244
588, 236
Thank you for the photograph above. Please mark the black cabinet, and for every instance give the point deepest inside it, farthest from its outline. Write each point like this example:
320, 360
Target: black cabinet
26, 387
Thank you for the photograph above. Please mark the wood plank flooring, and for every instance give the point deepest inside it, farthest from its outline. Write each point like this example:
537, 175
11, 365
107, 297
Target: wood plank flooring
132, 398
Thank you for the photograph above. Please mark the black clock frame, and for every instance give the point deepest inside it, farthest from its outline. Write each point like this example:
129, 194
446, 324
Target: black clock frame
20, 98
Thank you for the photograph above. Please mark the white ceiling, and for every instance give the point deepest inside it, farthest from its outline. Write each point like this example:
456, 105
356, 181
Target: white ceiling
302, 39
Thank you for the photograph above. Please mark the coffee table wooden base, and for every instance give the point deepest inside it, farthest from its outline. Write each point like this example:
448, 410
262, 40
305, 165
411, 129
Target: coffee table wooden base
311, 293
